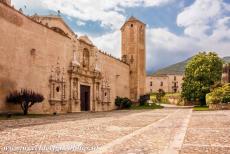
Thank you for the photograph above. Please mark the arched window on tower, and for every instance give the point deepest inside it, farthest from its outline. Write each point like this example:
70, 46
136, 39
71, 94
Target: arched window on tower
132, 33
86, 58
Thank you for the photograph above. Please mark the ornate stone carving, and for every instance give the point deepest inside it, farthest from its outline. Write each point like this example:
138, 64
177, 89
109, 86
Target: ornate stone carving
75, 88
57, 85
105, 90
86, 57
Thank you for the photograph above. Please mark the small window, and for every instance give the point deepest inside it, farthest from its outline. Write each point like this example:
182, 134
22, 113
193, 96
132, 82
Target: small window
131, 25
105, 94
162, 83
57, 89
151, 83
174, 78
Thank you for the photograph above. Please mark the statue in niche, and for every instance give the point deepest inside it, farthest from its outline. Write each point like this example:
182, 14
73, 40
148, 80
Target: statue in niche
86, 56
75, 62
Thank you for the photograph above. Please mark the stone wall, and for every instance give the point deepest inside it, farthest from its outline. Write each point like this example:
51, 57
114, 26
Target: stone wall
117, 73
226, 74
32, 52
28, 51
219, 106
166, 82
55, 22
175, 82
154, 83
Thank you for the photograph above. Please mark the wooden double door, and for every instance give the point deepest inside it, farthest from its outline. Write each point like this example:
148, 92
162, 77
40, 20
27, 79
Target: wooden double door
85, 98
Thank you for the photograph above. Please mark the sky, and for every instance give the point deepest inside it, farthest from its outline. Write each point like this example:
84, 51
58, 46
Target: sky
176, 29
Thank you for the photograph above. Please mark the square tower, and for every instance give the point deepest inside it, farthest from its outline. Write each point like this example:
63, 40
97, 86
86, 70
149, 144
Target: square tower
133, 53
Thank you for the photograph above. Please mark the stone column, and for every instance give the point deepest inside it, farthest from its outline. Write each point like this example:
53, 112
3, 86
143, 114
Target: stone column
94, 95
71, 95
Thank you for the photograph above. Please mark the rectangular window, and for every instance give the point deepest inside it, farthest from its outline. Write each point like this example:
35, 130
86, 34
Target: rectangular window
162, 83
151, 83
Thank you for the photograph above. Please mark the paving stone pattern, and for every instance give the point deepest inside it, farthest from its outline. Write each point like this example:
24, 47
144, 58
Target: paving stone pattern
166, 131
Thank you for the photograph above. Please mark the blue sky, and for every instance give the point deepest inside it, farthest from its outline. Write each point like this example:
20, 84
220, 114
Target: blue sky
176, 29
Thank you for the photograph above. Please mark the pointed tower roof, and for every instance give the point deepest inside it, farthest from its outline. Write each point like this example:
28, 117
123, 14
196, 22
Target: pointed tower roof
131, 19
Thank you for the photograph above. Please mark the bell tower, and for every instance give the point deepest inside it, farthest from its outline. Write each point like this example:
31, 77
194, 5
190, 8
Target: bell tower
133, 53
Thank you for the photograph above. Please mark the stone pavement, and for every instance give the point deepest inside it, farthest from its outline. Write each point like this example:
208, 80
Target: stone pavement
166, 131
208, 133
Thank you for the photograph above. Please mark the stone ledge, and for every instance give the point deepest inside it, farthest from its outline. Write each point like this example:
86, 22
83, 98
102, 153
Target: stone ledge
219, 106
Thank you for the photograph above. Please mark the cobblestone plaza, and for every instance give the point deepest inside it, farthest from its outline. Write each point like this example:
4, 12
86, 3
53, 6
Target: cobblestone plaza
175, 130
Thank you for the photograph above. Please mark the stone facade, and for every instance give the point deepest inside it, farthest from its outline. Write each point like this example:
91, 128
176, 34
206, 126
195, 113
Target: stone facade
8, 2
226, 74
173, 82
133, 53
169, 83
43, 54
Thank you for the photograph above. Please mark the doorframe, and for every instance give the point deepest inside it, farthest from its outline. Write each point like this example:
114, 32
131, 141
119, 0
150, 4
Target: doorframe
89, 97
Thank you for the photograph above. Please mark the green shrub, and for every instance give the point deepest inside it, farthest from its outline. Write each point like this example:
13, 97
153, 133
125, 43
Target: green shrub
143, 99
123, 103
118, 101
219, 95
154, 99
127, 103
164, 99
215, 97
226, 99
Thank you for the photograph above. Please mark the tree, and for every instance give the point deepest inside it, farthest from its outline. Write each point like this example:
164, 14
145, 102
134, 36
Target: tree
160, 94
26, 98
201, 73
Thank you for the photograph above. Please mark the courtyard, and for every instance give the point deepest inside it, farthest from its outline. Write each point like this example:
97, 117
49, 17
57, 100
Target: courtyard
168, 130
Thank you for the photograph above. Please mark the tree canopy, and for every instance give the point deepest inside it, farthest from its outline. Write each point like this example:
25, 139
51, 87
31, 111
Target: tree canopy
26, 98
201, 72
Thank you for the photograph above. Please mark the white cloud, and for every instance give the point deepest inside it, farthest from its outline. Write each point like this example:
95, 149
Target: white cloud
165, 48
80, 23
201, 17
110, 43
156, 2
206, 26
161, 45
108, 13
206, 21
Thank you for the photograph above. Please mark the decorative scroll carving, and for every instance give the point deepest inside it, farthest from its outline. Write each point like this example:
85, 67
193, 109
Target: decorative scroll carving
105, 90
97, 92
57, 85
75, 88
